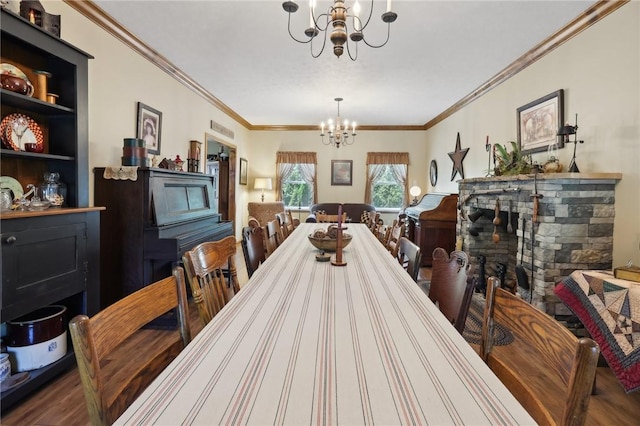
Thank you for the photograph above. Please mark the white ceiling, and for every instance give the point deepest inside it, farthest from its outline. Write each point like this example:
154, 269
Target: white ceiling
439, 52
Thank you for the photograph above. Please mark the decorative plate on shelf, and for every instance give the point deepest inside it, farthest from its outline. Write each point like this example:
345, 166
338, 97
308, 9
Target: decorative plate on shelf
13, 185
10, 127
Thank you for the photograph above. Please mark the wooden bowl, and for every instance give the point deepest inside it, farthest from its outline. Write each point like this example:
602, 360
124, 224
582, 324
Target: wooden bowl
329, 244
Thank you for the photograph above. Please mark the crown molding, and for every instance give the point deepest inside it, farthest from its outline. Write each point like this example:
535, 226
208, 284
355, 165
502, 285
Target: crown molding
592, 15
581, 23
99, 17
315, 127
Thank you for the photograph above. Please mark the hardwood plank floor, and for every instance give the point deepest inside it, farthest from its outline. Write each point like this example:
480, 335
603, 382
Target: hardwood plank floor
62, 401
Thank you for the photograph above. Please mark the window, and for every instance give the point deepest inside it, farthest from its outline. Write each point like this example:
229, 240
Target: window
296, 178
387, 190
296, 192
387, 179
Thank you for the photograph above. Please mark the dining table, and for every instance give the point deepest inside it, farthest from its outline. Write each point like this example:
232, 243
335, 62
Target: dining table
309, 342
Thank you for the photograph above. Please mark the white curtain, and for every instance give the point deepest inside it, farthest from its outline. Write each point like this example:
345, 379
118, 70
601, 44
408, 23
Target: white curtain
286, 161
376, 164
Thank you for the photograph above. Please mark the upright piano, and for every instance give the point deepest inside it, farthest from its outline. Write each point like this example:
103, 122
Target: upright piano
432, 223
149, 223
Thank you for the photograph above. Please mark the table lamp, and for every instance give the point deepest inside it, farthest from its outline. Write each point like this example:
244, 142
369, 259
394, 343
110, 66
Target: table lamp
415, 191
262, 183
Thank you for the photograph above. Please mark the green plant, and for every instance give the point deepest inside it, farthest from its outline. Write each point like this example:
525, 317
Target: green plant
513, 162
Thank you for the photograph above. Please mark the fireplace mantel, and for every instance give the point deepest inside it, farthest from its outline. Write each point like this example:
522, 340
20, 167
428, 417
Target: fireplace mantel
573, 230
547, 177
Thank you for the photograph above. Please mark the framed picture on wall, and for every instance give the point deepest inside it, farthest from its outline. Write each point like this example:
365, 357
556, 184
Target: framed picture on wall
539, 121
244, 165
342, 172
149, 127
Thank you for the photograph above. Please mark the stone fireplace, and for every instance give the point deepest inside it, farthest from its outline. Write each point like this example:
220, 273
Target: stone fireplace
573, 230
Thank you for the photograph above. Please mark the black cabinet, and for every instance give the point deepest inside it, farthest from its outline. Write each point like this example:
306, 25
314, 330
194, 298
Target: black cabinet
51, 256
49, 259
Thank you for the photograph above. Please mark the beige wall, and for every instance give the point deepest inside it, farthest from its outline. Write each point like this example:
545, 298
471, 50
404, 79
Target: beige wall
265, 144
118, 79
599, 71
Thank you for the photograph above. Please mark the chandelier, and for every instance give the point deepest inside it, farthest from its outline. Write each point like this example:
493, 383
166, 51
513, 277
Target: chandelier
336, 17
338, 135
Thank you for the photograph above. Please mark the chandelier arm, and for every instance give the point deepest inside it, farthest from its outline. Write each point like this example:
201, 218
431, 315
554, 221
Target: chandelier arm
368, 18
353, 58
293, 37
324, 39
385, 42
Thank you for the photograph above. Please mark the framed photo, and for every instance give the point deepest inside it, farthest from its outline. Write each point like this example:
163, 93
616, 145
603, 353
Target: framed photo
244, 165
539, 121
149, 127
341, 172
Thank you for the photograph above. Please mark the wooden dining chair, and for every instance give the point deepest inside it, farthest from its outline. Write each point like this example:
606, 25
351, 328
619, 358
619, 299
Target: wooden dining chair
293, 223
450, 288
409, 257
253, 248
94, 339
274, 236
212, 275
397, 231
539, 340
284, 227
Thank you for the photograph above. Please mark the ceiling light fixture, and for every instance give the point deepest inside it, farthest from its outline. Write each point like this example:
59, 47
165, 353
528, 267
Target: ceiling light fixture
338, 135
336, 17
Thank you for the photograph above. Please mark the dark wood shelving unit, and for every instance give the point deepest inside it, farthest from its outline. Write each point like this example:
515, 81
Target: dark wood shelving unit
53, 256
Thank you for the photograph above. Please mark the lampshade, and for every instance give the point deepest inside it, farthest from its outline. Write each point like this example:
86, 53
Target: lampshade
262, 183
415, 191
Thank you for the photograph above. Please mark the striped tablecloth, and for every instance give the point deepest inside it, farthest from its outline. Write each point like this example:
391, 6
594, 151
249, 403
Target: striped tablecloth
306, 342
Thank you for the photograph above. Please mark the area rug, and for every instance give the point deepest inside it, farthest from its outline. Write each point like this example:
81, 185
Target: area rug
473, 326
609, 308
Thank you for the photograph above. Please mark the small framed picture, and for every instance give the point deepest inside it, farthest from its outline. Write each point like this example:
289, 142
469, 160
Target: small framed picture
244, 164
341, 172
149, 127
539, 121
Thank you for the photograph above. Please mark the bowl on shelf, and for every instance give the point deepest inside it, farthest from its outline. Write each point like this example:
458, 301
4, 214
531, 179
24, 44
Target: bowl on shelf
15, 81
39, 205
329, 244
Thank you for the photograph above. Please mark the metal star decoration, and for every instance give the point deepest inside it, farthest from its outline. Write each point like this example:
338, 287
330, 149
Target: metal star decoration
457, 157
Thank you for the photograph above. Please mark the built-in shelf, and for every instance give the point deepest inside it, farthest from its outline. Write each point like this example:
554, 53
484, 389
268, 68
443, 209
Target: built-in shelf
35, 155
33, 104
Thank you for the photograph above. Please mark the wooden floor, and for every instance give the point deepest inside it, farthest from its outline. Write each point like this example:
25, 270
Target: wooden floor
62, 401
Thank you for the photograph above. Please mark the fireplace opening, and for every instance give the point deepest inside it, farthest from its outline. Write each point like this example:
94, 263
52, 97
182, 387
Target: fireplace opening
502, 250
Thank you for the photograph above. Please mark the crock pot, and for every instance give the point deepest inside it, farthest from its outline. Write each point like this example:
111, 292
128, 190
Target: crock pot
37, 339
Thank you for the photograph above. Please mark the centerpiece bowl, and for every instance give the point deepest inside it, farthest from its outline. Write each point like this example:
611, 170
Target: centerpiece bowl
328, 244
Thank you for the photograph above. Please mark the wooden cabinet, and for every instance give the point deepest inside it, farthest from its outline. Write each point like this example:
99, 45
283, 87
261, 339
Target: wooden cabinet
51, 256
49, 259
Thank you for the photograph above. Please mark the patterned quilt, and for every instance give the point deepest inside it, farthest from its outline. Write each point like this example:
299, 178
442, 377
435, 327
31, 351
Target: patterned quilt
609, 308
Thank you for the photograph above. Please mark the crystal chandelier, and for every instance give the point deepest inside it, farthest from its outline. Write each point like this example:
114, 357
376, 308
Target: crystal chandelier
338, 135
337, 16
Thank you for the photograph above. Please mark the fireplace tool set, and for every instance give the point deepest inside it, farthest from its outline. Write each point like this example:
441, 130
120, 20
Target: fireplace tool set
523, 279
